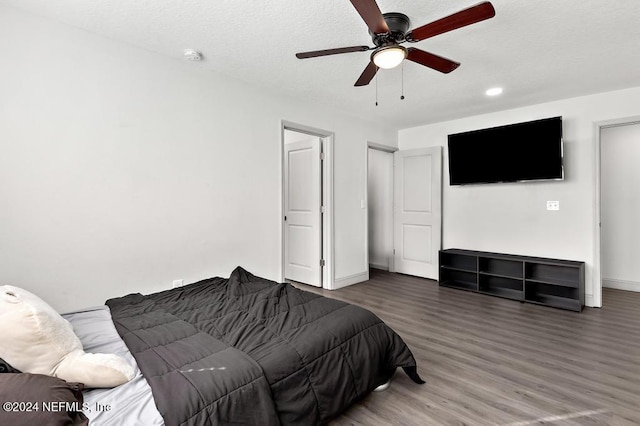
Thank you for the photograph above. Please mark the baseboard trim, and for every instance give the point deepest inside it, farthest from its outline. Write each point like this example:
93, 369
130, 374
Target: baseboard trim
588, 301
621, 284
349, 280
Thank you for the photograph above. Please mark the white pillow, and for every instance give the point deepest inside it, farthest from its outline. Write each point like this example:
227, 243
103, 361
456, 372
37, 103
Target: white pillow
34, 338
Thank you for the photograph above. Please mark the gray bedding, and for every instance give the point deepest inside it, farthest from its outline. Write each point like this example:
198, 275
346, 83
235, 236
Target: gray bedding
128, 404
246, 350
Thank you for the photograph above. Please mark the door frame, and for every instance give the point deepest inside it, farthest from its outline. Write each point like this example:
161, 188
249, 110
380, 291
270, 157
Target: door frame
326, 138
597, 231
390, 150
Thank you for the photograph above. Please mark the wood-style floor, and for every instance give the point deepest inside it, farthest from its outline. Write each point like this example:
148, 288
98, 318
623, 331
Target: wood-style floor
492, 361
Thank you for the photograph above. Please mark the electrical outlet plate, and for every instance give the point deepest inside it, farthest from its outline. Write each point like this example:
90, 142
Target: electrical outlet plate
553, 205
177, 283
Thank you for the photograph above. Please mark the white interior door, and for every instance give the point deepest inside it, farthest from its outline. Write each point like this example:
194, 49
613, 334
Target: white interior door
417, 215
303, 219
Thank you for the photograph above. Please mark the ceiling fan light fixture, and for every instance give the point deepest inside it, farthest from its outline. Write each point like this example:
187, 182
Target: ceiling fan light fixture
388, 57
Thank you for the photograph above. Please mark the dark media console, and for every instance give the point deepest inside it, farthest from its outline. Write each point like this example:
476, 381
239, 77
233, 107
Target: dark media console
549, 282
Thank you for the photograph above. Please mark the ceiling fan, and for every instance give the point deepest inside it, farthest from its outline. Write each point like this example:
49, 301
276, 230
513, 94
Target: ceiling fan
388, 31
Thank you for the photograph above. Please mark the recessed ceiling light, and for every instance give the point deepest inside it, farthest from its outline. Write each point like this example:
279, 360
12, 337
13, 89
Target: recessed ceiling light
494, 91
192, 55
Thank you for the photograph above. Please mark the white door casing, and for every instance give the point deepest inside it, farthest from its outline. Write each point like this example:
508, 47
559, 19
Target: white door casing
302, 204
418, 211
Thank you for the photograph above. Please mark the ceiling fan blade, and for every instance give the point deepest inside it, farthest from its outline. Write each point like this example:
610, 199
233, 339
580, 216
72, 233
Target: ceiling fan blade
430, 60
326, 52
370, 13
477, 13
367, 75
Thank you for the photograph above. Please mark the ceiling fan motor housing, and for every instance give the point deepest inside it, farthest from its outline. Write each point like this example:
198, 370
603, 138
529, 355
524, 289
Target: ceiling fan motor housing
398, 24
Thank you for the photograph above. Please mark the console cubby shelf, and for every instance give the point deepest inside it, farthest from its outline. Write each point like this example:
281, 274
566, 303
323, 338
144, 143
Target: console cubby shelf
538, 280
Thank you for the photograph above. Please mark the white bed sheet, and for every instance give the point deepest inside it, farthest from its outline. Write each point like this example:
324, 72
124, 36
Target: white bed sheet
128, 404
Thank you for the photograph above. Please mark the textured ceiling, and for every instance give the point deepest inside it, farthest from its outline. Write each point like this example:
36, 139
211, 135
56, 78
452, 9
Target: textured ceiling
537, 50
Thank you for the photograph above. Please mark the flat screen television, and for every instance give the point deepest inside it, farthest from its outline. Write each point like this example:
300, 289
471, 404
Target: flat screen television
514, 153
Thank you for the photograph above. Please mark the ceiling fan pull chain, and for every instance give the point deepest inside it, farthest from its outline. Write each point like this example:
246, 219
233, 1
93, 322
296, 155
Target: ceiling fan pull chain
402, 82
376, 89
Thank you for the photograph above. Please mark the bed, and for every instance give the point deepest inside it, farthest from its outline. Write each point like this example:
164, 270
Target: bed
242, 350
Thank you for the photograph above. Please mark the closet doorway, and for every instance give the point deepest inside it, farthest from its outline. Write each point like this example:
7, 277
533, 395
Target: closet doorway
620, 205
404, 209
380, 206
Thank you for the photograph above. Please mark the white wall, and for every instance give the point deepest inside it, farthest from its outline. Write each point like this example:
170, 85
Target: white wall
122, 170
512, 218
380, 207
620, 206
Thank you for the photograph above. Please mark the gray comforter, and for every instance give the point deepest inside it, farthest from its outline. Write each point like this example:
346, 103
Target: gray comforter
246, 350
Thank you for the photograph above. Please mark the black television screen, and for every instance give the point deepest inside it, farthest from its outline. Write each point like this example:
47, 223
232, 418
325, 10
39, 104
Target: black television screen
513, 153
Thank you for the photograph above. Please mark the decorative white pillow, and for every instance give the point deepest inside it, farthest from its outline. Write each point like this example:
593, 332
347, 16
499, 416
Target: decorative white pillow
34, 338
